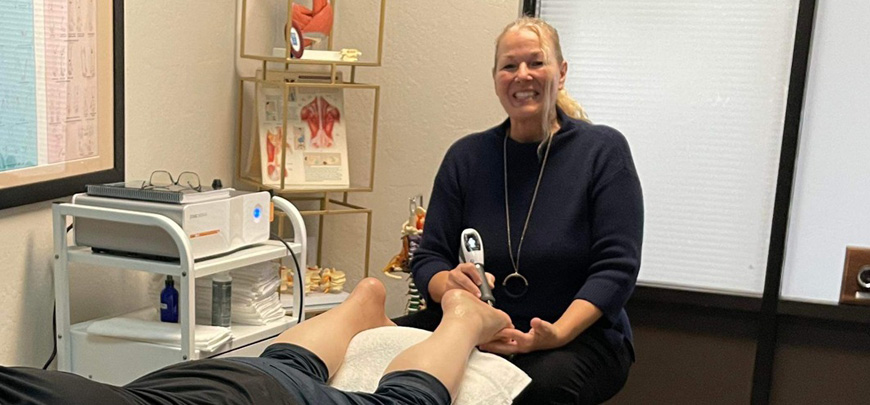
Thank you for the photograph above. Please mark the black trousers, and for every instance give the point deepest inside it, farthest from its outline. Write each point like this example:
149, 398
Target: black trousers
588, 370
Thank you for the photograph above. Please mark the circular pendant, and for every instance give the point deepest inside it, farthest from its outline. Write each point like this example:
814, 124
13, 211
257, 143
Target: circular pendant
515, 285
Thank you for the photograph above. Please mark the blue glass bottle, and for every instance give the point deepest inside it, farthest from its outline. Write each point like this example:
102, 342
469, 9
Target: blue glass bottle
169, 302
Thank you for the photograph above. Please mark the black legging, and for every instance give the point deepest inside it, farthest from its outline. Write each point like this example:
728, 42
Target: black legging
585, 371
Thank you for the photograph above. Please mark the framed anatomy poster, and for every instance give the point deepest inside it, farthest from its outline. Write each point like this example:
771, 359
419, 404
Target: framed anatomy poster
61, 97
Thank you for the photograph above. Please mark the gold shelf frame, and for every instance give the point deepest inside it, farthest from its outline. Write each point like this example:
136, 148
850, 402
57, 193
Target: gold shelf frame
292, 61
325, 210
281, 188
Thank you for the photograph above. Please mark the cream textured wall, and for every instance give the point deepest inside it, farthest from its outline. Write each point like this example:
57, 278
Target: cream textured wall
180, 106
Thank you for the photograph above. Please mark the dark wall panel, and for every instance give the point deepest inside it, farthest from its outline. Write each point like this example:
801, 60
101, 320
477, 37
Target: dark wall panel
689, 356
821, 362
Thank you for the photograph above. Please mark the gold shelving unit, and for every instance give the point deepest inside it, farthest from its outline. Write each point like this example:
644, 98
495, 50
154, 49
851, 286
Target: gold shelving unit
261, 42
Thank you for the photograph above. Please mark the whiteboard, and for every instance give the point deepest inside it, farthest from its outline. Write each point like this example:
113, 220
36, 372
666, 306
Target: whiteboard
699, 90
830, 206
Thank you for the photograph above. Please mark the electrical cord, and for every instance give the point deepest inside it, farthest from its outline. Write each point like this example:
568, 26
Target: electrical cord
299, 276
54, 324
53, 334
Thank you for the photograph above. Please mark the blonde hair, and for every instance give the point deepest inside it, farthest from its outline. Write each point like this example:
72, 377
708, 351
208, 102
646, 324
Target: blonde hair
549, 40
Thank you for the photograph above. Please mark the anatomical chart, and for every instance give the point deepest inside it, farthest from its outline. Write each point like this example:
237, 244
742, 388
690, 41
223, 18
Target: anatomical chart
316, 147
48, 82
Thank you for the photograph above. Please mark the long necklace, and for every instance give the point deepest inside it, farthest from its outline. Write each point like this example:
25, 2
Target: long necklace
519, 284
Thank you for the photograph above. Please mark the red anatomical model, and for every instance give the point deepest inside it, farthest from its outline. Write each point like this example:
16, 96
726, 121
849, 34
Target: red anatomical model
318, 19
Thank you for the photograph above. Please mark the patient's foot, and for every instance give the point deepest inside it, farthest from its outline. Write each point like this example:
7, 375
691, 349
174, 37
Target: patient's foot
462, 307
366, 304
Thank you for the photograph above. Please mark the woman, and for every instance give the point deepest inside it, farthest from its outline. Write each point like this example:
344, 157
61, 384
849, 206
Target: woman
558, 204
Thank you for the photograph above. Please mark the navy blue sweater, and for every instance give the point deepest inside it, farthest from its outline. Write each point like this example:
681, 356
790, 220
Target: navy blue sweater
584, 237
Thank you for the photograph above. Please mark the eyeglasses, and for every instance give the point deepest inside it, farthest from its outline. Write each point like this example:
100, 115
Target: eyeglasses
163, 180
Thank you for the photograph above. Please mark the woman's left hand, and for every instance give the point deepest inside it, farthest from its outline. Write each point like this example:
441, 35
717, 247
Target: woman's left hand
543, 335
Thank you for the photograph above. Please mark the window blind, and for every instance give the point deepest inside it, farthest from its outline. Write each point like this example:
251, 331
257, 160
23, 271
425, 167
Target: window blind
699, 89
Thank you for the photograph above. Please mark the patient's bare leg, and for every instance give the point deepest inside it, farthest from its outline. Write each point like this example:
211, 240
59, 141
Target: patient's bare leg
467, 322
328, 335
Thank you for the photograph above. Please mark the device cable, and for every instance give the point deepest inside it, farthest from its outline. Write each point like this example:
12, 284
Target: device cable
54, 325
299, 276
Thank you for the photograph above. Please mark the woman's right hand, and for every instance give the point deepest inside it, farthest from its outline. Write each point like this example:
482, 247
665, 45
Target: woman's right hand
463, 277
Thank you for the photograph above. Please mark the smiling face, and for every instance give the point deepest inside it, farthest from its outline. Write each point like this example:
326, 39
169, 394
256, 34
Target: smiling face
527, 79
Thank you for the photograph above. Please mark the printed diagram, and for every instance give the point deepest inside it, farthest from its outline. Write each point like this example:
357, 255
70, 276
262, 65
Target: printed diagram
91, 100
56, 143
89, 61
316, 145
54, 112
70, 80
299, 136
87, 139
321, 118
272, 109
76, 15
49, 88
274, 137
10, 158
90, 16
59, 71
73, 102
18, 122
322, 159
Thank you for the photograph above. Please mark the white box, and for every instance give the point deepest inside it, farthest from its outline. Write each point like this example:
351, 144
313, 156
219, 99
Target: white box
214, 227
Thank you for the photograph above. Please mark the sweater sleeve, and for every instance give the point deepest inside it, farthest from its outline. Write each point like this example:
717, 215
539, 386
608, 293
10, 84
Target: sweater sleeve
617, 232
438, 250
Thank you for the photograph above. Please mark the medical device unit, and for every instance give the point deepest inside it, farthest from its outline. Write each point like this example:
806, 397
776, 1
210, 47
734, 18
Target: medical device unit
214, 227
471, 251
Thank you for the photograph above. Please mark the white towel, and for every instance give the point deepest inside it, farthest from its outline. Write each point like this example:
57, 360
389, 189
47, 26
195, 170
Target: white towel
259, 269
244, 288
489, 379
259, 311
132, 327
255, 299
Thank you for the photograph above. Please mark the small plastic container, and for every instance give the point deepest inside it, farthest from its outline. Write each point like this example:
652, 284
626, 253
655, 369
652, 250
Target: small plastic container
221, 299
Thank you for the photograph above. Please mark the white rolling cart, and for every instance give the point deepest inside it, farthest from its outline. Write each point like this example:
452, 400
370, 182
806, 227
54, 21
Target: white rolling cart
119, 361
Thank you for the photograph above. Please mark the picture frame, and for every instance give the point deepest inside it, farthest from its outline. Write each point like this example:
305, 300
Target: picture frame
79, 130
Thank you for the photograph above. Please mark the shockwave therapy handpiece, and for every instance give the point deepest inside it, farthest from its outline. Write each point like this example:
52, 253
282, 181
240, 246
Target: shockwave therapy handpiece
471, 251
